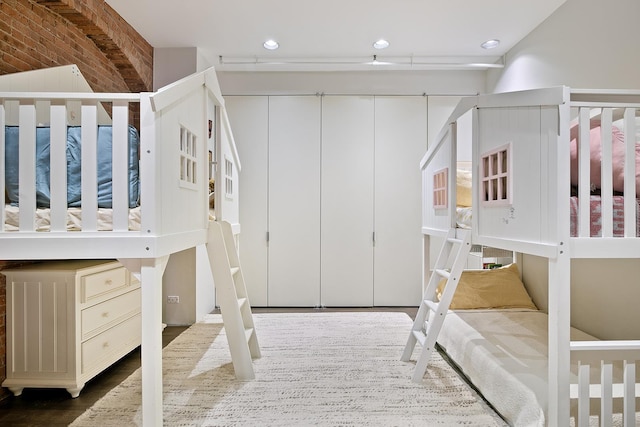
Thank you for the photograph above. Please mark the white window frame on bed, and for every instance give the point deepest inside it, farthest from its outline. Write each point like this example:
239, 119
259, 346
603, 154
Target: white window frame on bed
441, 188
496, 180
228, 178
188, 159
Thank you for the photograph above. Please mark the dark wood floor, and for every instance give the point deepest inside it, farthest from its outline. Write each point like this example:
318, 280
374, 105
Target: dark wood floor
55, 407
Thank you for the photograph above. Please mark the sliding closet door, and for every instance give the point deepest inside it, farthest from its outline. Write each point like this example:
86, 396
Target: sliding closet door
400, 143
294, 201
347, 201
248, 116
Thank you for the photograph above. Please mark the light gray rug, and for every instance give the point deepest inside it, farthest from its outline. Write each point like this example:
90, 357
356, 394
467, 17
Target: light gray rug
317, 369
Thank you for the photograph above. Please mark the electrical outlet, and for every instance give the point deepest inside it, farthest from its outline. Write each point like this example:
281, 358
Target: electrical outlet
173, 299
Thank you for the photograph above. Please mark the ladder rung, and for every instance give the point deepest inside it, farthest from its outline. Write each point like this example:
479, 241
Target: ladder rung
454, 240
420, 336
241, 302
234, 270
433, 306
443, 273
248, 333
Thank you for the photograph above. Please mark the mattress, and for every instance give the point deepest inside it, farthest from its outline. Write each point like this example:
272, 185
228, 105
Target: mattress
596, 216
503, 353
74, 219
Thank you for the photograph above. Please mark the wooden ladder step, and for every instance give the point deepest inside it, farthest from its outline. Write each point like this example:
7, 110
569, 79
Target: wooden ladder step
420, 336
241, 302
443, 273
234, 270
248, 333
433, 306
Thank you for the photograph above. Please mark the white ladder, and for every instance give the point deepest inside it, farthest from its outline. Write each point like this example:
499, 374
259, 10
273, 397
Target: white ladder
232, 297
425, 330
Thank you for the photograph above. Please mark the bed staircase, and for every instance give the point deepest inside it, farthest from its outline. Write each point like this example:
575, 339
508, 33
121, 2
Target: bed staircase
232, 297
426, 327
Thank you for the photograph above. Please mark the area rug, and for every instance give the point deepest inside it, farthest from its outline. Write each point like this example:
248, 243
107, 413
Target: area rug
316, 369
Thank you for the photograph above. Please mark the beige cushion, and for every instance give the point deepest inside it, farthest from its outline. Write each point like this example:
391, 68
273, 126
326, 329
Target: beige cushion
496, 288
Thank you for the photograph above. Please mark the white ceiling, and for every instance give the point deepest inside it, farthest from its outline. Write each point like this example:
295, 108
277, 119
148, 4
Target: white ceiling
336, 34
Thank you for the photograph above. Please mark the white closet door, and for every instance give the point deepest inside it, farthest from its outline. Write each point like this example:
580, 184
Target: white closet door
294, 201
347, 201
400, 143
249, 119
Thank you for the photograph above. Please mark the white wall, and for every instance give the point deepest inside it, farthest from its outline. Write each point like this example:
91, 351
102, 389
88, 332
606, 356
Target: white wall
584, 44
171, 64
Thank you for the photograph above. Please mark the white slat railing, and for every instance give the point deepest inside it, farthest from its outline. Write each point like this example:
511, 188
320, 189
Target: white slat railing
58, 111
606, 114
601, 357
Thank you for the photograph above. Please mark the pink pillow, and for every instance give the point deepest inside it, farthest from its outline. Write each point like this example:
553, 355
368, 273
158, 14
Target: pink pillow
596, 158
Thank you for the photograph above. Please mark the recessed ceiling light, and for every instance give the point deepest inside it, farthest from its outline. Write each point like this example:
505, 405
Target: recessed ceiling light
271, 45
490, 44
381, 44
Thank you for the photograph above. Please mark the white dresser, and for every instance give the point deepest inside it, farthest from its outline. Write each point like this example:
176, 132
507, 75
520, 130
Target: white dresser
67, 321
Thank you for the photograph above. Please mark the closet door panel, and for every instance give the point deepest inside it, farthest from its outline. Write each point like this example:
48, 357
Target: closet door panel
400, 143
294, 201
347, 201
248, 116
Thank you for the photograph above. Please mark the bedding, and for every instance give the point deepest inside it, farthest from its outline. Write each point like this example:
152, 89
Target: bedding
595, 145
504, 354
74, 219
74, 150
596, 216
463, 216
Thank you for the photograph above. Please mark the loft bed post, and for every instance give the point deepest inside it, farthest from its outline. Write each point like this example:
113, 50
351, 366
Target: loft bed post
559, 299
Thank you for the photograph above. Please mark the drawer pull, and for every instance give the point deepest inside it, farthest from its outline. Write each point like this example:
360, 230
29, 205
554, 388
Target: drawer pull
105, 314
108, 282
106, 344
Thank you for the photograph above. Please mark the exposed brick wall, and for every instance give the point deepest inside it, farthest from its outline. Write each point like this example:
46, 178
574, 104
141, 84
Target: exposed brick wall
33, 35
111, 55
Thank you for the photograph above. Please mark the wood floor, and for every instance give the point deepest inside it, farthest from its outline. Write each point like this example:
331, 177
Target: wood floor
55, 407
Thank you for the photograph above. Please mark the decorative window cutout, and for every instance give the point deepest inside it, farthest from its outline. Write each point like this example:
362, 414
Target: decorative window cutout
228, 178
440, 188
188, 160
496, 184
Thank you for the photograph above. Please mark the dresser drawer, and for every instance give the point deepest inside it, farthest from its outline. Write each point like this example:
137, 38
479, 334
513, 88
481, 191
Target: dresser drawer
99, 285
104, 349
110, 312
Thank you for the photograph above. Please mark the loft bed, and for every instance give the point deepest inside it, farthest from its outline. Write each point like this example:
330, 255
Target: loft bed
137, 191
548, 178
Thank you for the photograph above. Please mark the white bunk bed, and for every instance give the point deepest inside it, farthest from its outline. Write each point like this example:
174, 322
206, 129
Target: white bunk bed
173, 177
533, 366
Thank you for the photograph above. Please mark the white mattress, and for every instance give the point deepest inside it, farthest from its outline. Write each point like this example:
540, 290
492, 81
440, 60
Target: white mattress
74, 219
504, 354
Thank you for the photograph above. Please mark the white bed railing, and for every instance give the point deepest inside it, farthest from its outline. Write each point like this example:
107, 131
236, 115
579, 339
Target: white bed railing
627, 108
58, 112
548, 115
177, 212
601, 357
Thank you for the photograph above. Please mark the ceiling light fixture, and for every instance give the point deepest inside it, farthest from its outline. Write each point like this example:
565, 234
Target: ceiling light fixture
381, 44
271, 44
490, 44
